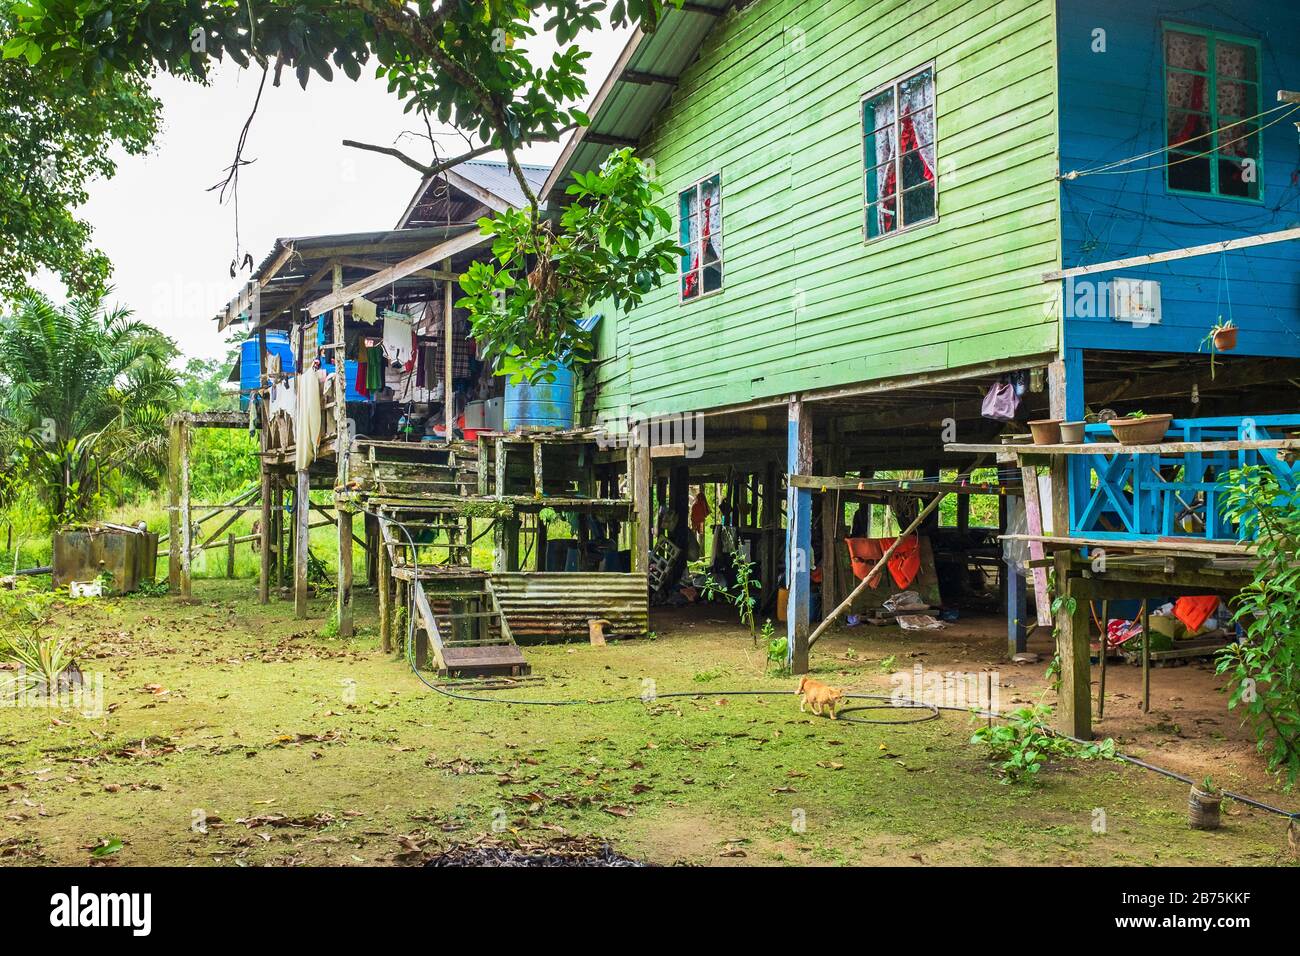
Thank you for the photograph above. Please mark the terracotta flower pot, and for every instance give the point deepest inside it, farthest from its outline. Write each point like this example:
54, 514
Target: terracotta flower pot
1046, 431
1140, 431
1225, 340
1072, 433
1203, 809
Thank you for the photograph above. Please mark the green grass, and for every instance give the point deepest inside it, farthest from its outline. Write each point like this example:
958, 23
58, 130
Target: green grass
233, 711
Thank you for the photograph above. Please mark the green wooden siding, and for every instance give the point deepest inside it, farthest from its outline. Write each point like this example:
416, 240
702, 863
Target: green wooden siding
772, 104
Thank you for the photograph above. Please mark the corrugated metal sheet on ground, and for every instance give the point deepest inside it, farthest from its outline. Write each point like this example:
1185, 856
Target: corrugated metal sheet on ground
558, 604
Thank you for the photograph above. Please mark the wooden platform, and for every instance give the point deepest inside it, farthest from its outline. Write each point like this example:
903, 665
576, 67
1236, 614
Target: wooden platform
485, 659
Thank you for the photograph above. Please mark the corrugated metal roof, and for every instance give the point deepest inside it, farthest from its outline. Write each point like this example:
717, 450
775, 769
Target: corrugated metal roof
490, 175
639, 84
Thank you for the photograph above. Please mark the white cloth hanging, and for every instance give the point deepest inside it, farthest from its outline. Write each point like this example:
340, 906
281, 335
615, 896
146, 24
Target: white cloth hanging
363, 310
397, 337
307, 419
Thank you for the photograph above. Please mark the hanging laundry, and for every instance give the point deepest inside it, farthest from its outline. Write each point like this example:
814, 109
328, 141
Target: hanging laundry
905, 562
398, 338
360, 383
699, 513
307, 421
374, 358
363, 310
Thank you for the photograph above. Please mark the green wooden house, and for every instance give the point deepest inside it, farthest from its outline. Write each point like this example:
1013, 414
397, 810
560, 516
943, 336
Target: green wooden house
872, 199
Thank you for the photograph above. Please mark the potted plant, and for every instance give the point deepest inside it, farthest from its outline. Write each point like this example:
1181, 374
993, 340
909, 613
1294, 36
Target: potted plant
1222, 337
1203, 805
1046, 431
1139, 428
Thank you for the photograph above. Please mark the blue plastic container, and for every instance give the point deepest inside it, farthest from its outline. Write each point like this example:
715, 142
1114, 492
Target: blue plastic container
250, 365
350, 366
544, 405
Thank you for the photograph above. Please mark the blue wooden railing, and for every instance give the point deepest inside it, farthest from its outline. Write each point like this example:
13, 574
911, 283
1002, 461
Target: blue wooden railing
1129, 497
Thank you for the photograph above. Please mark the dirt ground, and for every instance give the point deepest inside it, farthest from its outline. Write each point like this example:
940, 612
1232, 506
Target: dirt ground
234, 735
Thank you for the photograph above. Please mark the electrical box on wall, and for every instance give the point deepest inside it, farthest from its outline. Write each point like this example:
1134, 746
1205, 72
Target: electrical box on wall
1135, 301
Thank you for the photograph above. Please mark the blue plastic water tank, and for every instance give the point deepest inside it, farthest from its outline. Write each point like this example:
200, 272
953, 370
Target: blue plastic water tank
544, 405
250, 366
350, 369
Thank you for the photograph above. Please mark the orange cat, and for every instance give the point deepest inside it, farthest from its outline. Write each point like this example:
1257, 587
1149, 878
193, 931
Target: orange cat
818, 697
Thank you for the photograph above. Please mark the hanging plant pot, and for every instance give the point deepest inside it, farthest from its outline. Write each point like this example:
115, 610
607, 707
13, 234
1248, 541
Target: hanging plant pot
1046, 431
1225, 339
1203, 809
1147, 430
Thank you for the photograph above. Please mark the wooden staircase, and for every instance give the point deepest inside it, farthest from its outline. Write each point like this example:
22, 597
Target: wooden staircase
456, 616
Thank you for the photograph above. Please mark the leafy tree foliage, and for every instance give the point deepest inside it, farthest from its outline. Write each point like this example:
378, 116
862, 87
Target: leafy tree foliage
84, 398
457, 61
55, 133
1263, 668
524, 304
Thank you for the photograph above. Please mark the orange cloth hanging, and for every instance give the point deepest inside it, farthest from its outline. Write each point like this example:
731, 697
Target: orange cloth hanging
699, 513
863, 555
1194, 611
905, 562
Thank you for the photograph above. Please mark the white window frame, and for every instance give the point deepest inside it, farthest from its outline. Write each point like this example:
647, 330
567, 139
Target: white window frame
863, 165
722, 259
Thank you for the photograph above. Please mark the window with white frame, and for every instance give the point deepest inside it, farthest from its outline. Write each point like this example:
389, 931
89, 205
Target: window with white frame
701, 237
898, 153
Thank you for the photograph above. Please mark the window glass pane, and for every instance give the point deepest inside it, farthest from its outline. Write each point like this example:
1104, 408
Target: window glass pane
1234, 180
1187, 91
1191, 173
1186, 51
882, 218
1239, 139
918, 204
1236, 60
918, 167
878, 112
1193, 127
916, 93
711, 247
690, 285
710, 207
1236, 99
713, 278
880, 182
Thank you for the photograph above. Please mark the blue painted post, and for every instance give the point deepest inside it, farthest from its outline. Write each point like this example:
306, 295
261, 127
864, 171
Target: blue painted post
1017, 603
798, 536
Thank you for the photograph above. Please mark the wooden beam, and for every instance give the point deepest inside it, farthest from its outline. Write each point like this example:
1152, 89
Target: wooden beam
421, 260
375, 266
343, 446
1209, 249
301, 532
303, 290
174, 501
187, 524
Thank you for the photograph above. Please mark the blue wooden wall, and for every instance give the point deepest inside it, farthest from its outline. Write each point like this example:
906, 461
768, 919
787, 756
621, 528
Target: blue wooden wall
1112, 107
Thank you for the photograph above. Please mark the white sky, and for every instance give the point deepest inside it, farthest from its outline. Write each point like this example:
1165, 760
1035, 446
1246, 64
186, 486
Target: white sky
171, 242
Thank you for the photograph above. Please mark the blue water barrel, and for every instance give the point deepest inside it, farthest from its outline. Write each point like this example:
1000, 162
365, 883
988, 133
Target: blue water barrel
350, 369
250, 366
544, 405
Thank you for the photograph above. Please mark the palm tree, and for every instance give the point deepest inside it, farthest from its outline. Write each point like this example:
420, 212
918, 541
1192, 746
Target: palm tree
84, 397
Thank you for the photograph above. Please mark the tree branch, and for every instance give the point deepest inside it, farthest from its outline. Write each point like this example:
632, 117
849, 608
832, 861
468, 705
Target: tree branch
418, 166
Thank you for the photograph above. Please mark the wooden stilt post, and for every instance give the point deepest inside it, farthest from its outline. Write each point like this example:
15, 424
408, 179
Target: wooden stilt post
1074, 709
771, 531
449, 339
832, 517
187, 521
641, 503
268, 535
174, 511
385, 584
301, 532
798, 535
281, 538
1146, 656
1101, 660
342, 450
1074, 714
